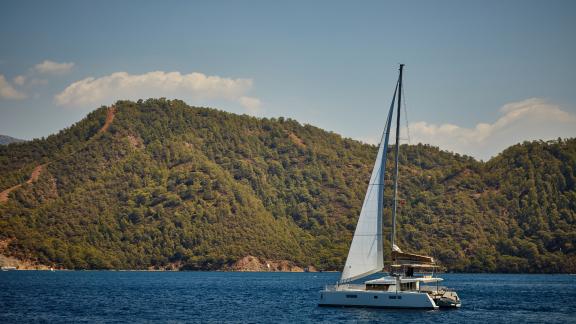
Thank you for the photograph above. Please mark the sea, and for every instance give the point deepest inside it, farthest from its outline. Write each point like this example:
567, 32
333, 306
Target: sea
252, 297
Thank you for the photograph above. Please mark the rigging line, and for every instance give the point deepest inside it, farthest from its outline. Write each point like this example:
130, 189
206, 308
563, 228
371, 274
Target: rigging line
400, 178
418, 163
406, 114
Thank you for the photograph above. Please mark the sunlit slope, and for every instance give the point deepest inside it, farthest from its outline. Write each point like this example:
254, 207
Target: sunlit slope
163, 183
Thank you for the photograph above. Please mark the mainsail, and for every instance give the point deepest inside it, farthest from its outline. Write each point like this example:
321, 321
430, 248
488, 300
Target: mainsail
366, 252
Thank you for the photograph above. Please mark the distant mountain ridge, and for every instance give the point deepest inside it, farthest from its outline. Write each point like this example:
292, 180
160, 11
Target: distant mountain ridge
4, 139
157, 183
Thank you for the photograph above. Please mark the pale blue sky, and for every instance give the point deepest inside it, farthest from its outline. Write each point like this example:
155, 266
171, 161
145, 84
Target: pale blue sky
332, 64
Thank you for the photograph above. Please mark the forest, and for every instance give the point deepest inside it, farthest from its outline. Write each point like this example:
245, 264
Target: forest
165, 183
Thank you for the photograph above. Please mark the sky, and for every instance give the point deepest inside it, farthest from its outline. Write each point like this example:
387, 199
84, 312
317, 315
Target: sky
480, 76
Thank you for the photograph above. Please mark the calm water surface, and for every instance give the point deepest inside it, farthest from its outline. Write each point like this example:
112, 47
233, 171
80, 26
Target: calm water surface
108, 296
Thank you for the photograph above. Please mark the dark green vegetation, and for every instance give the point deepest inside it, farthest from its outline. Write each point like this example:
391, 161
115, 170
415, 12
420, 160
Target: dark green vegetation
167, 183
8, 139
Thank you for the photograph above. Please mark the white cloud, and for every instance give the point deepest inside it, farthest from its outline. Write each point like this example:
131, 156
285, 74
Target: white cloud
251, 104
7, 91
91, 91
372, 140
51, 67
19, 80
530, 119
38, 82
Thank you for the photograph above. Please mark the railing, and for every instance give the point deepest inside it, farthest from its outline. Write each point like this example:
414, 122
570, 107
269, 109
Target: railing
434, 288
345, 287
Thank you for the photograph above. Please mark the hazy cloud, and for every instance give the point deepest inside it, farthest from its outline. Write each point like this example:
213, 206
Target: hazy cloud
19, 80
91, 91
372, 140
251, 104
7, 91
51, 67
38, 82
530, 119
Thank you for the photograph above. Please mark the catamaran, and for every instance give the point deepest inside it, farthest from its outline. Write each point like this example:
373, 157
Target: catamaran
410, 281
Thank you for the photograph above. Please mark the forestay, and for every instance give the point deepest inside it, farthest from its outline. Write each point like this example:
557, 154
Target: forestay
366, 251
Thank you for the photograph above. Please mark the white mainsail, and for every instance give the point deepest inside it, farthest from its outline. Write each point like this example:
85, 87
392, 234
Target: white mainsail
365, 256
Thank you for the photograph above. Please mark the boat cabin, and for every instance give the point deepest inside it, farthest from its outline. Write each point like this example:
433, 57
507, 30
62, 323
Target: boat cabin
393, 284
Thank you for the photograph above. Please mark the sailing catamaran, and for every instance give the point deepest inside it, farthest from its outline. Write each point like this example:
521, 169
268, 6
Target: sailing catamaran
406, 284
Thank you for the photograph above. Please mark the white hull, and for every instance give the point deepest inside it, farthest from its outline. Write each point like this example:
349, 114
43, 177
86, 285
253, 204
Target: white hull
381, 299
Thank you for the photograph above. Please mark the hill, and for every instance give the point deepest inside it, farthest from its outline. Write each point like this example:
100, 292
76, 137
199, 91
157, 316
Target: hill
4, 139
157, 183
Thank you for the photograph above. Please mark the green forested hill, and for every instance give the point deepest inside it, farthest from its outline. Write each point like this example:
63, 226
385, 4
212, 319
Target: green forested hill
167, 183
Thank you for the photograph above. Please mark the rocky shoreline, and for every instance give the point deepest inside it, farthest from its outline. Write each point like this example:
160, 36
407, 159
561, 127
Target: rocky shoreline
254, 264
246, 264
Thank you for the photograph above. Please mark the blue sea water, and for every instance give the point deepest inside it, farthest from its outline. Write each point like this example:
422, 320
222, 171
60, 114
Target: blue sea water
136, 297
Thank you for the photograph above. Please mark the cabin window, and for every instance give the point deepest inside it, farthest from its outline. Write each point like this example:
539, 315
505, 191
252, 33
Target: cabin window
377, 287
408, 286
351, 296
375, 297
395, 297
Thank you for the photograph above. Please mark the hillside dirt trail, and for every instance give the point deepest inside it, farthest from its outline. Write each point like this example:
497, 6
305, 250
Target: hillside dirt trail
110, 114
33, 178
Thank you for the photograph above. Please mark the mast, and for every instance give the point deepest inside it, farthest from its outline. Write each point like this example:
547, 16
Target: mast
395, 200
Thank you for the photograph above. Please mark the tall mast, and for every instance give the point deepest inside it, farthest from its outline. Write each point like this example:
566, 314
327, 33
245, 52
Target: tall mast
395, 201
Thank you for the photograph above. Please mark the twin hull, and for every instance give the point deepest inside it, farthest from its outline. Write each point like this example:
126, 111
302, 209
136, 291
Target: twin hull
383, 299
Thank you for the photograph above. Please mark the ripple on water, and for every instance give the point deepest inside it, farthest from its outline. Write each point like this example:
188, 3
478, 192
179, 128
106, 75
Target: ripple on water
108, 296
